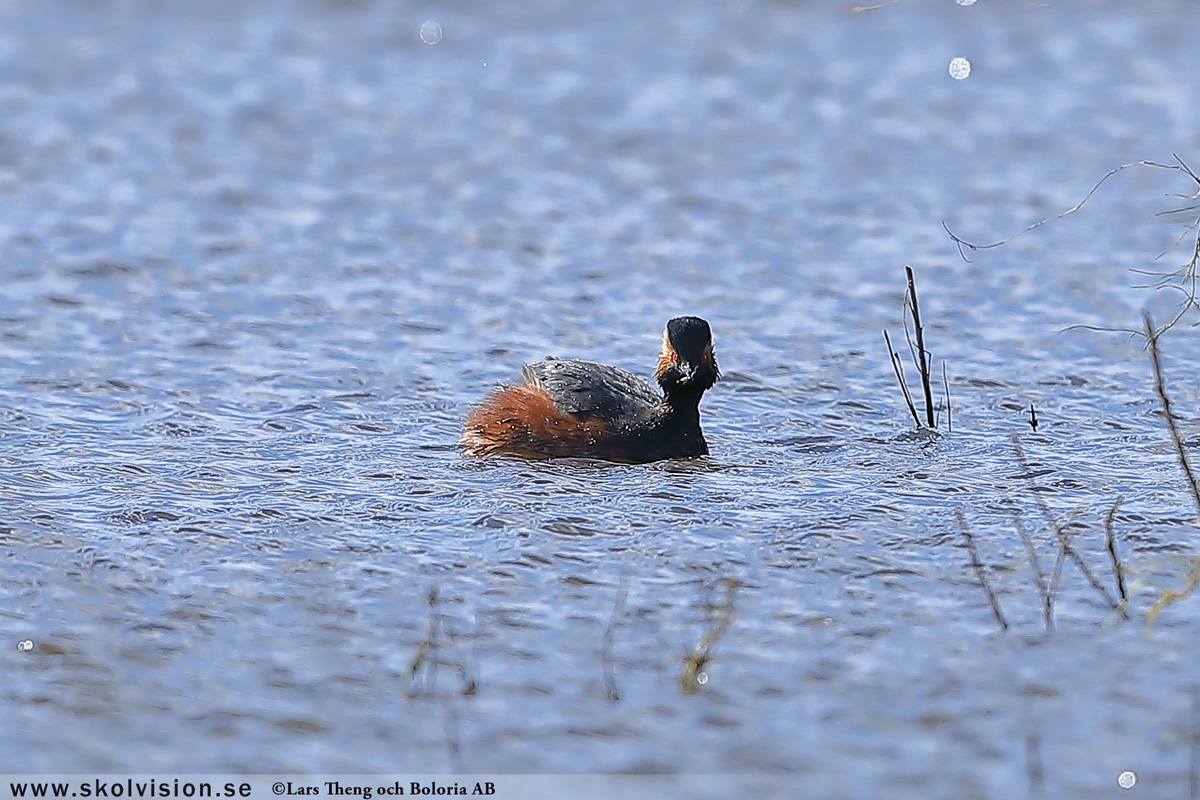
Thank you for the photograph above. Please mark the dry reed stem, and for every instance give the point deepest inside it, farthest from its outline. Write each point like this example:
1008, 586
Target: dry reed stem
1110, 544
1064, 537
693, 676
1039, 578
859, 9
924, 358
899, 369
946, 387
1160, 385
427, 650
979, 571
1172, 595
427, 654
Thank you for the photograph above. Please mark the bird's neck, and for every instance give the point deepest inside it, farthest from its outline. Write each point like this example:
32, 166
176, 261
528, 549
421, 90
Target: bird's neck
684, 405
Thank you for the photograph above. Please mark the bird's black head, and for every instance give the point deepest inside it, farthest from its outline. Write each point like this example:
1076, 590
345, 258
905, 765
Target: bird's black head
687, 363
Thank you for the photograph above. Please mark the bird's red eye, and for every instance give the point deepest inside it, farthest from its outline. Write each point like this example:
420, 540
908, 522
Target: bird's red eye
674, 358
704, 358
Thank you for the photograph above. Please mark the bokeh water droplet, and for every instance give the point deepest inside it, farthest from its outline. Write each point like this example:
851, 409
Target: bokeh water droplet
960, 68
431, 32
966, 2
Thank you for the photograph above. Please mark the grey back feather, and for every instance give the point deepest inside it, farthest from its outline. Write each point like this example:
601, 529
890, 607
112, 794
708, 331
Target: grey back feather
587, 390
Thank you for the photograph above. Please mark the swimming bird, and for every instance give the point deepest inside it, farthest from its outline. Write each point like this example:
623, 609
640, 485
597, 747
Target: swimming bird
571, 408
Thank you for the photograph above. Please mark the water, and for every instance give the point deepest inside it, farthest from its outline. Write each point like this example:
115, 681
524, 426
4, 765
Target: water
258, 263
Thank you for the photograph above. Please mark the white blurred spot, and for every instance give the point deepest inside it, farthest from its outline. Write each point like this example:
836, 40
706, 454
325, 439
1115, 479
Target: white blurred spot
966, 2
431, 33
702, 678
960, 68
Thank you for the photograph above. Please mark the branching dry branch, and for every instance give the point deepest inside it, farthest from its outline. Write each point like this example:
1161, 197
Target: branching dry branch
1160, 384
1179, 166
1185, 279
1060, 529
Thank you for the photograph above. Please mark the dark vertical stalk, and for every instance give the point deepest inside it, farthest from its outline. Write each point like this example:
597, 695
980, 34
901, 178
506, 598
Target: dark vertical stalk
1110, 543
923, 355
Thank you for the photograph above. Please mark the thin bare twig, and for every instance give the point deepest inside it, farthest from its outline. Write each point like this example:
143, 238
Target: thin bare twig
869, 7
1060, 561
946, 388
1171, 595
924, 359
899, 369
427, 654
427, 650
1186, 279
905, 310
1110, 543
1060, 529
1160, 384
1039, 579
961, 243
979, 570
694, 676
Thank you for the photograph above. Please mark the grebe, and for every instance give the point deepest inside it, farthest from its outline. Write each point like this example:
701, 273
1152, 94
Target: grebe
566, 408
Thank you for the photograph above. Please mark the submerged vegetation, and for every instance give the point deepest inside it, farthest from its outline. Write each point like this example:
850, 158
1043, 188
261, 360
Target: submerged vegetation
1186, 282
1193, 574
694, 662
